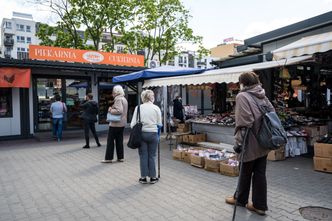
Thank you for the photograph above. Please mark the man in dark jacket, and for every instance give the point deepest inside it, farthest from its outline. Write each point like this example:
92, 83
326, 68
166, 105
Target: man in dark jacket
178, 109
89, 116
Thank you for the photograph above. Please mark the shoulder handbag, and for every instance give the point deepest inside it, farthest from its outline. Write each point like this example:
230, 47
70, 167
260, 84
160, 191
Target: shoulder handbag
113, 117
135, 136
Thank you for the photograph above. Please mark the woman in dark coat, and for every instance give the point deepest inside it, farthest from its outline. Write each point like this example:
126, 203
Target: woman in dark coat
178, 109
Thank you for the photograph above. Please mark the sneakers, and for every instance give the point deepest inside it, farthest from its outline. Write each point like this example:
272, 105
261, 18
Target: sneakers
86, 146
153, 180
251, 207
106, 161
143, 180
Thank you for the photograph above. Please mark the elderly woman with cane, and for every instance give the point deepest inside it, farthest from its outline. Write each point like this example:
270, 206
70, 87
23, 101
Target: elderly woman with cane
253, 165
151, 120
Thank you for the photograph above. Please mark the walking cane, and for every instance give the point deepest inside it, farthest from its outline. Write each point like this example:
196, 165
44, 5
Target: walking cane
244, 143
159, 131
159, 159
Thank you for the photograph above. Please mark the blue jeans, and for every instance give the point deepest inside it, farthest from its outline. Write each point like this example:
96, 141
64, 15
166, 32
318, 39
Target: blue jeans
147, 154
57, 128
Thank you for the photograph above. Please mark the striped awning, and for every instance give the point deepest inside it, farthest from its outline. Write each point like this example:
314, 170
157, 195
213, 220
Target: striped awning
305, 46
226, 75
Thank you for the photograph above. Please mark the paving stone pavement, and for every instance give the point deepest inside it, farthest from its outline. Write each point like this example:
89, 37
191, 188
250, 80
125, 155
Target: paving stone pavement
61, 181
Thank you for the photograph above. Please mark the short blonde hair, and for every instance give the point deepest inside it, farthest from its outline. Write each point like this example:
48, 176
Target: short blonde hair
118, 90
147, 96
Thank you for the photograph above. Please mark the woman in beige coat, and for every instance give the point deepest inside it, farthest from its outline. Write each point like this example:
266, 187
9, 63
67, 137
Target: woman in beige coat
247, 115
115, 132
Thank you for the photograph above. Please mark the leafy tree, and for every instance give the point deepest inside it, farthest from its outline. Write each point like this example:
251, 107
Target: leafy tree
158, 27
92, 14
68, 25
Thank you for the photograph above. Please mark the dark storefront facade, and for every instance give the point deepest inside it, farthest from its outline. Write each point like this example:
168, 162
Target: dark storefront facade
26, 111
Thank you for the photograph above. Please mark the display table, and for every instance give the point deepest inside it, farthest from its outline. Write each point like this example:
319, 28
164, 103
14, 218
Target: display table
215, 133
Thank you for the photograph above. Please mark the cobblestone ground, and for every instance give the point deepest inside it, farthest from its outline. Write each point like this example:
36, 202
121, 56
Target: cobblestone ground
60, 181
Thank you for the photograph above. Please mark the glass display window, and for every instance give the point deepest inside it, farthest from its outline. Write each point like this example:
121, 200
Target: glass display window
6, 103
105, 88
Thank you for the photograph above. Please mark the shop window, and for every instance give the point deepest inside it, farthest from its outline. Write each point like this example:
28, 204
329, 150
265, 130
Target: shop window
105, 88
6, 104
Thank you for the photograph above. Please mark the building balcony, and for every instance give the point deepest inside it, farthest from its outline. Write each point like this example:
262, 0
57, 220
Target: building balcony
8, 42
7, 54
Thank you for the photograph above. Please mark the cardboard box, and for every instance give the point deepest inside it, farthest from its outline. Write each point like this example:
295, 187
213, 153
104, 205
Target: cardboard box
323, 164
323, 150
195, 138
228, 170
182, 128
212, 165
185, 138
278, 154
197, 161
177, 154
186, 156
314, 131
179, 138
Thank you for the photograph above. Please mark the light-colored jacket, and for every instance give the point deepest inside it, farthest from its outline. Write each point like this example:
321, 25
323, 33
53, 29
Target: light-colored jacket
247, 114
150, 117
120, 107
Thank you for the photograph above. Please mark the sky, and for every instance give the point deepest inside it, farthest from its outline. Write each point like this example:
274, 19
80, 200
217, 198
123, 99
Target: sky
215, 20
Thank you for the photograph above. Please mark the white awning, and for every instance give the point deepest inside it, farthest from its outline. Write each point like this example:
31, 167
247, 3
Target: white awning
305, 46
226, 75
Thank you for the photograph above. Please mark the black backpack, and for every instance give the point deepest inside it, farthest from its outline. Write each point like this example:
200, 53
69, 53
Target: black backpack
271, 134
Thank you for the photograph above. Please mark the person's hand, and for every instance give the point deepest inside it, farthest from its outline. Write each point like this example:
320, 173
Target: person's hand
237, 148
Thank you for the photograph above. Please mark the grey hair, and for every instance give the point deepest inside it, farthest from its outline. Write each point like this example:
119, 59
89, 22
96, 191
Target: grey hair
147, 96
118, 90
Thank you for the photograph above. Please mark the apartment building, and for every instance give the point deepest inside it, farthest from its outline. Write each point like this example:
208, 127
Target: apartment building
17, 34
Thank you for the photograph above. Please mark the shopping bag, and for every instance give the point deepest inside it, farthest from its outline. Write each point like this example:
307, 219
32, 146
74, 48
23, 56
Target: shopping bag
135, 136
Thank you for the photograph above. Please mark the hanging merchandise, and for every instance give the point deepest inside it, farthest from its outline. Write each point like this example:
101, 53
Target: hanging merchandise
284, 73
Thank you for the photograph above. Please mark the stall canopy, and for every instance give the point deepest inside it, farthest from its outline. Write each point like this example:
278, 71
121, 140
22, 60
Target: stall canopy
226, 75
164, 71
15, 77
305, 46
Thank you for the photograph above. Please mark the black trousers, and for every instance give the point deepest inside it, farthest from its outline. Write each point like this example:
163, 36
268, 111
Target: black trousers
255, 172
90, 125
114, 134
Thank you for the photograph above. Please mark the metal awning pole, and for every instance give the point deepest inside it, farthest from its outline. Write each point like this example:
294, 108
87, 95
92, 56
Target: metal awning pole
139, 91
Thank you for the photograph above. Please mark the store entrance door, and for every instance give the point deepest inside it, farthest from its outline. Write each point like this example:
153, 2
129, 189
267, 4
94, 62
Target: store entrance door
72, 92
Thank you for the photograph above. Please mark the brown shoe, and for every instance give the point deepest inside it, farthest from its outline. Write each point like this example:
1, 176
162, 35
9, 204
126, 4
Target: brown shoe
230, 200
106, 161
251, 207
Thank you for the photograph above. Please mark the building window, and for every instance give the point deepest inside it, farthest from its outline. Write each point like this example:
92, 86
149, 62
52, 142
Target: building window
20, 39
8, 25
6, 104
119, 49
28, 39
180, 59
19, 27
185, 60
28, 28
